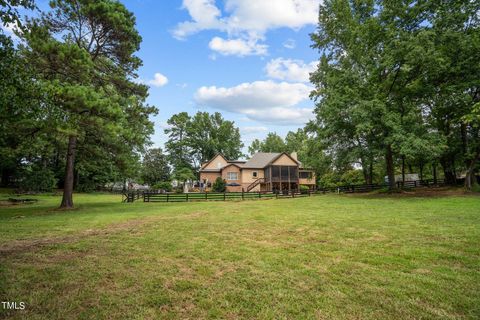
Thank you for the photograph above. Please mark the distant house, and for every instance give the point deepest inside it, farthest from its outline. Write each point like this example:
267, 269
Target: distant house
262, 172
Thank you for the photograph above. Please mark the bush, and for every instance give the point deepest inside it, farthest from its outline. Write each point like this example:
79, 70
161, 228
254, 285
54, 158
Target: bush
37, 179
219, 185
167, 186
304, 189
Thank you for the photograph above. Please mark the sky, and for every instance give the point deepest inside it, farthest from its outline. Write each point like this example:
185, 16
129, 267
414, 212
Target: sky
247, 59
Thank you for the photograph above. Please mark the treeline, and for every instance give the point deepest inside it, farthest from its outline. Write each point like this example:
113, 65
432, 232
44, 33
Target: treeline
71, 113
397, 90
192, 140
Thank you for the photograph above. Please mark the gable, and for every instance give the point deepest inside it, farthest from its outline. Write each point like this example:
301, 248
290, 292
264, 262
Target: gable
232, 166
285, 160
216, 163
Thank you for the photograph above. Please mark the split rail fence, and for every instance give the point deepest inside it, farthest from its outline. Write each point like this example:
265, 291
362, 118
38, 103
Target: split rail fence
149, 196
154, 196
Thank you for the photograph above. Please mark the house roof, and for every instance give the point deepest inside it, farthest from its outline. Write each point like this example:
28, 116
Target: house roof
208, 162
258, 161
261, 160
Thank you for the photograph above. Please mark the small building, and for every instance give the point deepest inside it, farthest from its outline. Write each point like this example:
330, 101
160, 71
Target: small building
262, 172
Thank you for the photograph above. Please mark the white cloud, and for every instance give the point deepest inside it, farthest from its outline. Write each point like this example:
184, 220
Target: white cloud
253, 130
204, 14
290, 44
266, 101
283, 115
260, 16
290, 70
159, 80
246, 20
237, 47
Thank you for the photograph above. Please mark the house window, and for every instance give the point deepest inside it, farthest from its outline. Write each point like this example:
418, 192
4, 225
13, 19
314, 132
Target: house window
232, 175
254, 174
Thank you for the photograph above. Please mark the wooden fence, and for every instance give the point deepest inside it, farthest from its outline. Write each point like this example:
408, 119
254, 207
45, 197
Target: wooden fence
154, 196
359, 188
149, 196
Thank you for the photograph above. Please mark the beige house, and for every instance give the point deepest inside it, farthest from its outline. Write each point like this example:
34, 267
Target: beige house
262, 172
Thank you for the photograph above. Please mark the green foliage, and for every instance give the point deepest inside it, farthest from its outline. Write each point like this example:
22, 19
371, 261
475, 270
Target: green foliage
304, 188
272, 143
394, 82
183, 174
36, 178
84, 81
155, 167
219, 185
9, 11
165, 185
195, 140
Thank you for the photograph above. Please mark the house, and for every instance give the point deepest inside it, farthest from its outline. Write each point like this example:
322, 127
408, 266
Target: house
262, 172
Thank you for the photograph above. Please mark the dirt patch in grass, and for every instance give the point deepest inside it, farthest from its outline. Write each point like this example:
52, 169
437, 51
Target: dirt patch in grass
21, 246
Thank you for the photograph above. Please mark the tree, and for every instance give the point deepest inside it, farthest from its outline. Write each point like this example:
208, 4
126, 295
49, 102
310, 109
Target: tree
272, 143
219, 185
177, 146
366, 87
155, 167
183, 175
83, 55
194, 140
9, 13
452, 84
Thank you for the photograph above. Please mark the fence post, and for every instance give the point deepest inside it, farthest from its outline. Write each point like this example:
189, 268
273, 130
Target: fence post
276, 194
187, 197
243, 196
259, 195
206, 198
168, 196
415, 183
293, 193
224, 195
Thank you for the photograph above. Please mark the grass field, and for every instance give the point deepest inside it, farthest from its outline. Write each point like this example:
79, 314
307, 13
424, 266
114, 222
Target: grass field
321, 257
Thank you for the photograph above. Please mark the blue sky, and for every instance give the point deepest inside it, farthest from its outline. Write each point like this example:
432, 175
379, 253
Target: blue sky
207, 75
248, 59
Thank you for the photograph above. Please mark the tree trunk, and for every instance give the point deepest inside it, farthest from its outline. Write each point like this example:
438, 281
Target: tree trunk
67, 200
448, 164
434, 167
470, 178
370, 173
420, 167
5, 180
390, 168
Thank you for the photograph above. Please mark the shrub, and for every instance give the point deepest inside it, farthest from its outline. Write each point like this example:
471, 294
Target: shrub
37, 179
167, 186
219, 185
304, 189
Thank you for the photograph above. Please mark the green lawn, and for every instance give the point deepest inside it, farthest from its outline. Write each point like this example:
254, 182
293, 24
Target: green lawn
320, 257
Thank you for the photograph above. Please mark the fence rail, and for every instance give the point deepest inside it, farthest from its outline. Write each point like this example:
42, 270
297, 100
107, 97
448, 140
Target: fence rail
154, 196
149, 196
360, 188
